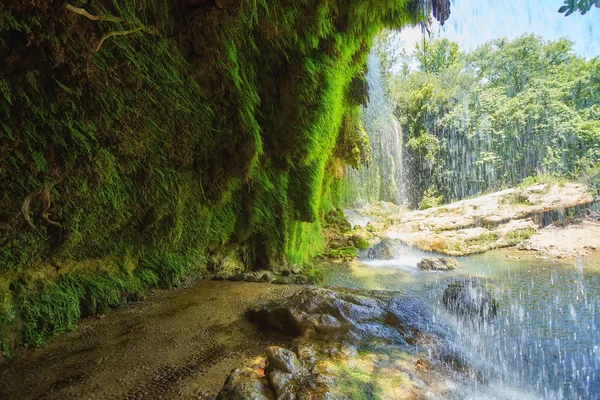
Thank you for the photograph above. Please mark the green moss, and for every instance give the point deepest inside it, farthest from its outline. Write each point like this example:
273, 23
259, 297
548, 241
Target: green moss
516, 236
343, 252
430, 199
337, 220
356, 383
361, 243
517, 196
202, 130
488, 238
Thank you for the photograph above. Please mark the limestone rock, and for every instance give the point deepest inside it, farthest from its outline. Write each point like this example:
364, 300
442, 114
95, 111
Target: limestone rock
438, 264
381, 251
282, 359
245, 384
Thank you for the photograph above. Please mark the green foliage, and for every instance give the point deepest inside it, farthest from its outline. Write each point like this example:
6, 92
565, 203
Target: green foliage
517, 196
483, 239
547, 179
435, 56
48, 307
518, 235
590, 175
343, 253
361, 243
583, 6
207, 128
337, 219
430, 199
487, 119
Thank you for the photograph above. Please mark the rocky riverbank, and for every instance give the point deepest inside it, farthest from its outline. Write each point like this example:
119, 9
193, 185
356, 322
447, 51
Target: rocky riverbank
294, 339
347, 344
520, 217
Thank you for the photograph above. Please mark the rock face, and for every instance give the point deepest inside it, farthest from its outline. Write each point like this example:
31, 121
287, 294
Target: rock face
342, 241
329, 327
470, 299
381, 251
243, 384
438, 264
496, 220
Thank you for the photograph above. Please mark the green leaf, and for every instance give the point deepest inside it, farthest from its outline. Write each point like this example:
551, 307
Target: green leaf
563, 9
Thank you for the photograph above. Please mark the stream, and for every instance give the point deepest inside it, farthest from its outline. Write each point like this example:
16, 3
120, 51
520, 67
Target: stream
544, 342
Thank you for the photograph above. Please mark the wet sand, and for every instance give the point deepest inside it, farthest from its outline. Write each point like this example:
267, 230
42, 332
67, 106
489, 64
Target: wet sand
176, 344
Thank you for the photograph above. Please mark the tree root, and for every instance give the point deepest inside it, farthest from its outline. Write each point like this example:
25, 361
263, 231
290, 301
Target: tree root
44, 195
119, 33
27, 204
83, 12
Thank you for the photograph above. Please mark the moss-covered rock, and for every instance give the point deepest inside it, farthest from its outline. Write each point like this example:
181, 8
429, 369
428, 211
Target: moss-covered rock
342, 242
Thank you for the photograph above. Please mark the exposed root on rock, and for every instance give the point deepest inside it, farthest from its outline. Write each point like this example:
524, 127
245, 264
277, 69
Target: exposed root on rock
83, 12
120, 33
43, 195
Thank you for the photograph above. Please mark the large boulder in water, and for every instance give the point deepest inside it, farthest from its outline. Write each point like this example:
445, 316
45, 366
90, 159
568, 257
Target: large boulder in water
381, 251
329, 326
470, 299
438, 264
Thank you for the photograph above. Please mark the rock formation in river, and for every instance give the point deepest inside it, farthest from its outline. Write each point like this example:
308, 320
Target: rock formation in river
341, 336
438, 264
470, 299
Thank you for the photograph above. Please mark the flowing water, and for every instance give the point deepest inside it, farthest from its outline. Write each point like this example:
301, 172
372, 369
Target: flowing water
543, 344
380, 180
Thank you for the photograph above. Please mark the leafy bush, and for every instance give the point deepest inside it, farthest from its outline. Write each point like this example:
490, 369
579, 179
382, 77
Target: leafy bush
516, 236
430, 199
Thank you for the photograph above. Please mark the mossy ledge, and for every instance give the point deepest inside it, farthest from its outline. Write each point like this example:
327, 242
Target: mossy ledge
137, 146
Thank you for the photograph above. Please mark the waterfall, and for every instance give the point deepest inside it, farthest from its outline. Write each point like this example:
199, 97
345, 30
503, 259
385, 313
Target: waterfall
381, 178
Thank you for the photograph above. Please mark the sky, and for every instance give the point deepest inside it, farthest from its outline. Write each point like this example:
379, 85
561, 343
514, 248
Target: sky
473, 22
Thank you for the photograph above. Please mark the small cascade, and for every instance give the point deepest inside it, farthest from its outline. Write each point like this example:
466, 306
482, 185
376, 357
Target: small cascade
381, 179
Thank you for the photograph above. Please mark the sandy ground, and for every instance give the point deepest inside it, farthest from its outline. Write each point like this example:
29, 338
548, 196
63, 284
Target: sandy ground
581, 239
176, 344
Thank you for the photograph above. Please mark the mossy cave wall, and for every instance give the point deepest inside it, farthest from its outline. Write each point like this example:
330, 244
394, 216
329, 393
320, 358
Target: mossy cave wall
212, 131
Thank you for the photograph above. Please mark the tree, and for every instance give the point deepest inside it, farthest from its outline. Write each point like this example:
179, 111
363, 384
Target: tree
489, 118
583, 6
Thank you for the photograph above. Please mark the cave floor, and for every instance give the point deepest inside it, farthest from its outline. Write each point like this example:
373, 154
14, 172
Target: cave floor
176, 344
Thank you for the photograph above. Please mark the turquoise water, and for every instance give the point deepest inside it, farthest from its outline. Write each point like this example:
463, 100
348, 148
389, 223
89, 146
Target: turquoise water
545, 342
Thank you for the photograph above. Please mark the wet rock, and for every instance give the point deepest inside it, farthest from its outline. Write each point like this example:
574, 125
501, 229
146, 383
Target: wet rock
285, 280
283, 360
342, 241
284, 385
245, 384
337, 219
470, 299
381, 251
319, 311
438, 264
329, 327
360, 238
258, 276
307, 352
285, 276
226, 263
